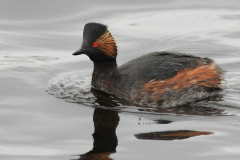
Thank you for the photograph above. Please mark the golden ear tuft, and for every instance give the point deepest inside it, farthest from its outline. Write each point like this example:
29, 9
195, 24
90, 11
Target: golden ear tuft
107, 44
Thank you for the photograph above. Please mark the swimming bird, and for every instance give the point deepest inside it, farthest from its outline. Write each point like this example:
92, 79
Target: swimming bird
158, 79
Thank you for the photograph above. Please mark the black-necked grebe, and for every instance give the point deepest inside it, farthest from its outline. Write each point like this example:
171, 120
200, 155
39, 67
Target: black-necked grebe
155, 79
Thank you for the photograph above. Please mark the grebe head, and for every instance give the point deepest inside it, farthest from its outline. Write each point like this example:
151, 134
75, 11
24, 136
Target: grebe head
98, 43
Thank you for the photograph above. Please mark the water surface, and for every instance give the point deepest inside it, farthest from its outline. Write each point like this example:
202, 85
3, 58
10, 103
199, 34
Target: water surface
37, 40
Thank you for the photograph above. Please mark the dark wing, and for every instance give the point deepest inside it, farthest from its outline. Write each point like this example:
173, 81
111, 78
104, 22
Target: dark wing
158, 66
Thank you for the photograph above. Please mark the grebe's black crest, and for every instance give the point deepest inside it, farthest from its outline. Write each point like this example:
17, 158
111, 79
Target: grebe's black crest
98, 43
92, 31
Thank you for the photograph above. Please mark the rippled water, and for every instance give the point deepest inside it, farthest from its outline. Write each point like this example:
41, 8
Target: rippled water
49, 111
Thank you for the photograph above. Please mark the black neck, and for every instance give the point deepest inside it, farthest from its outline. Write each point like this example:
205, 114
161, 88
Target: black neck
105, 67
103, 72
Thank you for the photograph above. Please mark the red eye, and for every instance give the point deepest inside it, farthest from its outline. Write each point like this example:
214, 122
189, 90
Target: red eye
95, 44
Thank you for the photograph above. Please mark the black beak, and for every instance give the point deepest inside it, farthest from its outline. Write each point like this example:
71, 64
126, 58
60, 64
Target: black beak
80, 51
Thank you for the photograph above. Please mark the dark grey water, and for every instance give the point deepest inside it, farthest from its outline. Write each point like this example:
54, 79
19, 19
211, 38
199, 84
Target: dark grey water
37, 39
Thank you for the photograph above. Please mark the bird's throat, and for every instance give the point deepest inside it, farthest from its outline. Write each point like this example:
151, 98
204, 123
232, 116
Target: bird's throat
103, 74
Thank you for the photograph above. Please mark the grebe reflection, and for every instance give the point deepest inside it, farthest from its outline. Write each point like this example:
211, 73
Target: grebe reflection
105, 138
